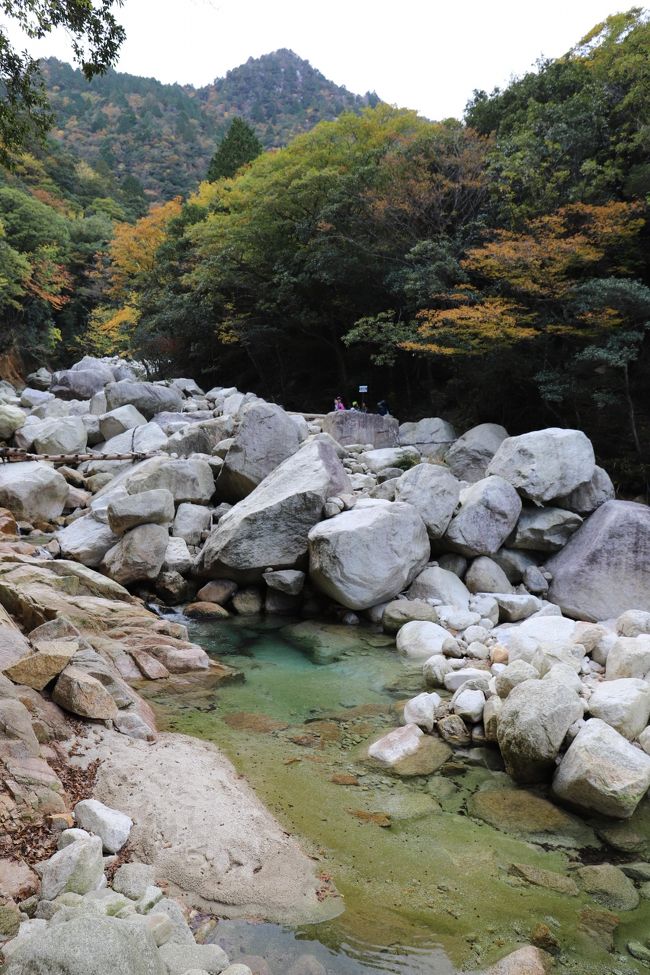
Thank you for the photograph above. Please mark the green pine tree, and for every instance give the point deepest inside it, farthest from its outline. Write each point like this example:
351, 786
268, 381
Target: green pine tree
240, 145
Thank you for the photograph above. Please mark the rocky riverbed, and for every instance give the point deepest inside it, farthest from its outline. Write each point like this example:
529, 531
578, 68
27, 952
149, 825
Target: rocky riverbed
501, 569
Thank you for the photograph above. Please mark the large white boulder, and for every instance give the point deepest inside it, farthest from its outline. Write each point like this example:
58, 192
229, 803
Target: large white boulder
421, 710
117, 421
141, 439
191, 521
86, 540
544, 529
532, 726
155, 507
188, 479
545, 464
440, 584
421, 639
629, 657
485, 575
32, 490
59, 435
111, 825
602, 772
12, 418
589, 496
352, 427
77, 868
397, 744
83, 380
377, 460
432, 436
433, 491
624, 704
369, 554
469, 456
148, 398
139, 555
489, 510
265, 436
605, 567
269, 528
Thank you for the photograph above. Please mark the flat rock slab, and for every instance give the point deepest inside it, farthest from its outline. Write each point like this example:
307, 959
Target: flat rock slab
530, 817
208, 835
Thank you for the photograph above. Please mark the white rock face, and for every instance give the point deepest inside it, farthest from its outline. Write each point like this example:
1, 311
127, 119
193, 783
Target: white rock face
513, 674
605, 568
269, 528
485, 575
139, 555
265, 437
629, 657
489, 511
624, 704
154, 507
396, 745
419, 640
433, 491
86, 540
431, 436
421, 710
468, 704
633, 623
78, 868
191, 521
11, 419
589, 496
60, 435
142, 439
514, 607
112, 827
454, 679
544, 529
545, 464
533, 723
550, 631
347, 427
117, 421
32, 490
377, 460
469, 457
177, 556
187, 479
602, 772
147, 398
442, 585
369, 554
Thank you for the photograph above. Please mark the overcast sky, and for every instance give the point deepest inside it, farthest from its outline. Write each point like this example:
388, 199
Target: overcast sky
422, 54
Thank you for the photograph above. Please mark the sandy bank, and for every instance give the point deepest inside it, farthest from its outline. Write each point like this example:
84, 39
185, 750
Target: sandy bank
205, 831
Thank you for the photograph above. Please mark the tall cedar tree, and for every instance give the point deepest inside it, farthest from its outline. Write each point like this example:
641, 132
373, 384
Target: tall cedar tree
240, 146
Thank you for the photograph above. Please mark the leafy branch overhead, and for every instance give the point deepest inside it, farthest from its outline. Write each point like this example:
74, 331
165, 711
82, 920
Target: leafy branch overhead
95, 37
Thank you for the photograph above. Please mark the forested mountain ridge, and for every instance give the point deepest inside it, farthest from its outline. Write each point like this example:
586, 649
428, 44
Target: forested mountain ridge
165, 135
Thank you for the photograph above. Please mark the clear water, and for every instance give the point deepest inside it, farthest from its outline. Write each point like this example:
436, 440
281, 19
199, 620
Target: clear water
429, 890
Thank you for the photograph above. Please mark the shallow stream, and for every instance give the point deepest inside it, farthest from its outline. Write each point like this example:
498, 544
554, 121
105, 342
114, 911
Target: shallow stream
423, 862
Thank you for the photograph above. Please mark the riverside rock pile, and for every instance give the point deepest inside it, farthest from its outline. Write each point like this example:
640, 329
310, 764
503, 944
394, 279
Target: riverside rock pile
70, 920
504, 566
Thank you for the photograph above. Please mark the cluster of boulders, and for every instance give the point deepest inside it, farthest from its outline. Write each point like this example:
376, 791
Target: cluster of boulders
503, 566
66, 918
480, 552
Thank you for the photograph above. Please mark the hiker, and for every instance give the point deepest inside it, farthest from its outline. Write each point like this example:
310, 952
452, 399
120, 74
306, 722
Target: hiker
338, 403
355, 407
383, 408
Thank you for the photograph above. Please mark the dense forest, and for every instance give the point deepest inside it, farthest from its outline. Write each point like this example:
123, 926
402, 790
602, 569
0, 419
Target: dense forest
494, 268
166, 134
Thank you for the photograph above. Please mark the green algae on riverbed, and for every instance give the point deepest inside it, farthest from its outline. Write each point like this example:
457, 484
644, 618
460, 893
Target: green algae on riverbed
420, 861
